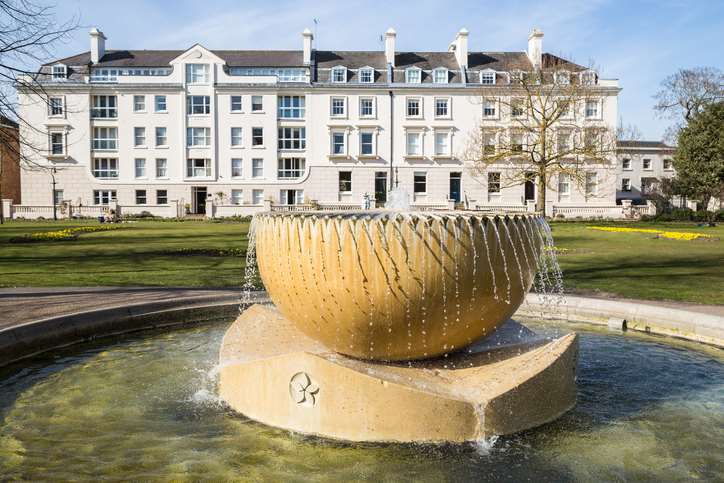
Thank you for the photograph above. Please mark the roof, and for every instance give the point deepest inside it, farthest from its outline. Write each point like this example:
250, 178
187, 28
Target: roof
162, 58
644, 144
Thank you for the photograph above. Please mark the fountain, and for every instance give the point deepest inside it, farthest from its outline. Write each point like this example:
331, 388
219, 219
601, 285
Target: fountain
395, 326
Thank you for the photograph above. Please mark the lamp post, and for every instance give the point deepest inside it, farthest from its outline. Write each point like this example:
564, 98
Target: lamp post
52, 198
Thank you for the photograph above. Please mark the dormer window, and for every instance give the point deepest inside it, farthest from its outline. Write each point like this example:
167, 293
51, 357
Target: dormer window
59, 72
366, 75
440, 75
339, 74
562, 78
413, 75
197, 73
487, 77
588, 77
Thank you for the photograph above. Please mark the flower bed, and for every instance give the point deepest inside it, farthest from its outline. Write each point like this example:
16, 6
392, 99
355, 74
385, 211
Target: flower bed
66, 234
674, 235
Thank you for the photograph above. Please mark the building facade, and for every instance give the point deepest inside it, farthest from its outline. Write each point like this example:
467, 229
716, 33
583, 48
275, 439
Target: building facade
9, 161
150, 128
641, 166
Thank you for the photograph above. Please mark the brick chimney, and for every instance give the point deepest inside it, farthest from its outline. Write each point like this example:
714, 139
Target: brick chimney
390, 37
460, 47
97, 45
307, 38
535, 48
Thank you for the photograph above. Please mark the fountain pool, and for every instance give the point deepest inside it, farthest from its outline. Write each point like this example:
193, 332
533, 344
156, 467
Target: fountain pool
145, 407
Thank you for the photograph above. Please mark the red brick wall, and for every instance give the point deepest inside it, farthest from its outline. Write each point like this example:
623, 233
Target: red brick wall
10, 177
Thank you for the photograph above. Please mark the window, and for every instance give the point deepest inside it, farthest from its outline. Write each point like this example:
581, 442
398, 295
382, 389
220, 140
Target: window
366, 107
487, 77
282, 74
414, 143
564, 108
257, 197
105, 138
420, 182
105, 168
625, 184
159, 104
668, 165
58, 197
516, 142
236, 136
103, 197
646, 164
366, 75
588, 78
236, 168
237, 197
562, 78
489, 143
292, 138
338, 106
161, 197
140, 168
414, 107
257, 168
139, 103
257, 104
198, 168
442, 143
440, 76
290, 107
494, 183
489, 108
626, 164
517, 107
104, 107
442, 107
140, 197
161, 168
345, 181
291, 197
413, 75
57, 144
564, 185
59, 72
257, 136
161, 139
290, 168
648, 185
198, 136
367, 143
197, 73
139, 136
55, 106
196, 105
563, 140
591, 109
339, 145
235, 103
591, 183
339, 74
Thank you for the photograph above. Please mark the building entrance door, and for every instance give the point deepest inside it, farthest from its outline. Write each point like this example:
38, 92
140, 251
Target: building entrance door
198, 200
380, 188
455, 186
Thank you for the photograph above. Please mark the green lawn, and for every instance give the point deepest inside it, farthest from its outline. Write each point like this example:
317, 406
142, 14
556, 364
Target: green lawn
634, 265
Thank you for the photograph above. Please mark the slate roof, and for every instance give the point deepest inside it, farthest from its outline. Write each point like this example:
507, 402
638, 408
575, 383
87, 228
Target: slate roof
644, 144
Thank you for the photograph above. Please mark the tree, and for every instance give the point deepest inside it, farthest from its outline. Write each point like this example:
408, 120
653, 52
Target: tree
28, 34
545, 138
699, 159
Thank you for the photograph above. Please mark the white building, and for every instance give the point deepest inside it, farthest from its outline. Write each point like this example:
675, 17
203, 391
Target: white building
642, 164
155, 129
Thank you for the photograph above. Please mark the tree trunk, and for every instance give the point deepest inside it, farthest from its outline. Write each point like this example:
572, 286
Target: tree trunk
540, 204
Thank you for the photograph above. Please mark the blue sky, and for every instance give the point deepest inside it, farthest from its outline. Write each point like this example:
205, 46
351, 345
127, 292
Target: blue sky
637, 41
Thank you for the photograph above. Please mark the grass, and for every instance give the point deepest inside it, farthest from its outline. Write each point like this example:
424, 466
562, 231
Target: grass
204, 254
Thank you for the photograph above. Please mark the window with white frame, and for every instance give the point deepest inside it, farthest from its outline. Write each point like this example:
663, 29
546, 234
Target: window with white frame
339, 74
493, 183
257, 103
668, 165
139, 136
440, 75
161, 138
646, 164
58, 197
339, 143
59, 72
626, 164
236, 137
487, 77
235, 103
292, 138
55, 107
563, 107
413, 75
105, 168
237, 197
414, 107
57, 143
366, 75
291, 107
562, 78
198, 168
588, 77
140, 168
139, 103
104, 107
345, 181
625, 184
591, 183
236, 168
141, 197
442, 143
367, 143
105, 139
161, 197
257, 197
161, 168
488, 143
420, 182
197, 73
159, 103
489, 108
442, 107
198, 105
517, 107
103, 197
338, 106
198, 136
257, 168
367, 107
564, 185
283, 74
516, 142
413, 143
257, 137
592, 108
290, 168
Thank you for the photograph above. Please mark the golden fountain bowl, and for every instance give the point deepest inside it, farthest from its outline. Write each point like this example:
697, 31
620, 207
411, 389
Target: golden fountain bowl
392, 286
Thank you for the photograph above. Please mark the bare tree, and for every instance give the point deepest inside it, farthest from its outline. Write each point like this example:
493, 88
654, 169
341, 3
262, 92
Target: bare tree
28, 33
628, 132
545, 138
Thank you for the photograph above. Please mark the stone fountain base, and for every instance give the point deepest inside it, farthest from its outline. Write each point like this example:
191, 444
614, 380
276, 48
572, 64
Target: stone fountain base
510, 382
